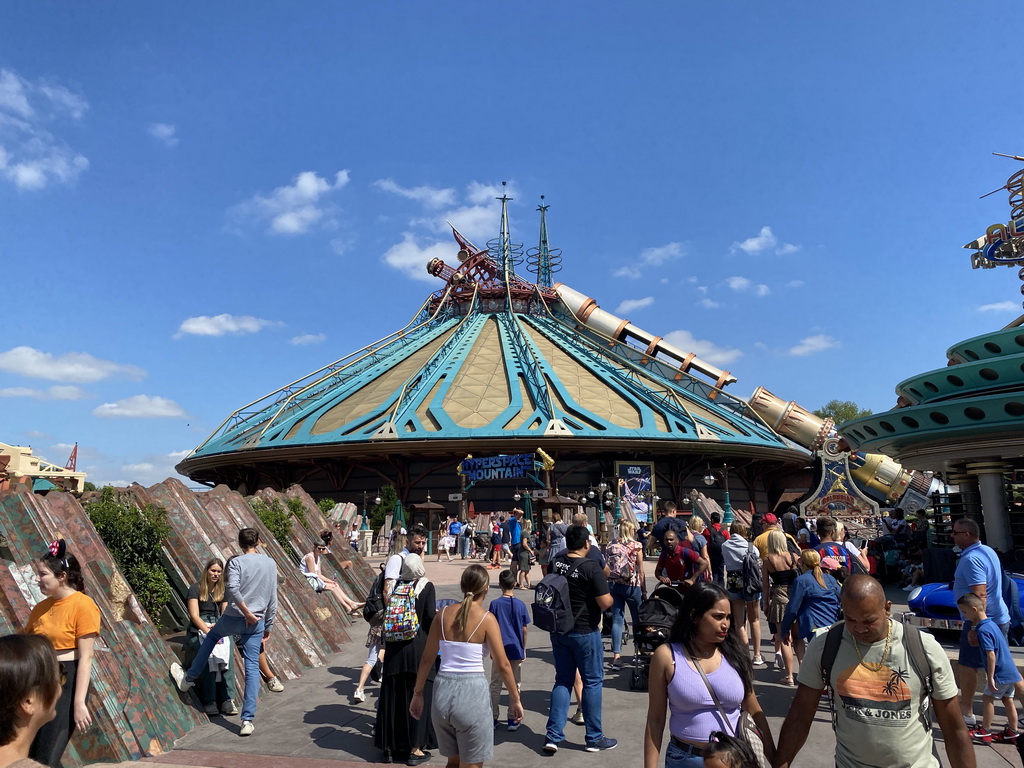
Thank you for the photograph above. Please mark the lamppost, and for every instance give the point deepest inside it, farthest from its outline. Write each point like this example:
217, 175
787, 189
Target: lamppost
365, 525
710, 479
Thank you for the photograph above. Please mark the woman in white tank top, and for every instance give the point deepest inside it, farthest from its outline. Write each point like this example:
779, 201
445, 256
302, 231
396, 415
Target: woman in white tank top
461, 710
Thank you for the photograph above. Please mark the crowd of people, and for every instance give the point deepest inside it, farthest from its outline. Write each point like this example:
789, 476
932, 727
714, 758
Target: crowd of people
829, 619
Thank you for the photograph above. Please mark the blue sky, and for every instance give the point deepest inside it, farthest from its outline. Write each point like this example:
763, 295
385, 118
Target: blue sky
200, 203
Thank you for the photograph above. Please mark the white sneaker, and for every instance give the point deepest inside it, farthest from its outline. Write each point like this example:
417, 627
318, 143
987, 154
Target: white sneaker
359, 696
275, 685
758, 663
550, 747
778, 660
247, 728
228, 708
178, 673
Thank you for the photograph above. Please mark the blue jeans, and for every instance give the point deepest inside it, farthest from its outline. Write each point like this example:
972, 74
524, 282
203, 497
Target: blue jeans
249, 638
464, 546
583, 651
623, 595
677, 757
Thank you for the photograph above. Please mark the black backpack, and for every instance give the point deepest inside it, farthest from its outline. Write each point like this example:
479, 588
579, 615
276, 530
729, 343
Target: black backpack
373, 610
751, 571
716, 538
552, 606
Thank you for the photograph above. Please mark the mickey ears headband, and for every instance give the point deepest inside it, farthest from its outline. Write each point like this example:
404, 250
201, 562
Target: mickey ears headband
59, 550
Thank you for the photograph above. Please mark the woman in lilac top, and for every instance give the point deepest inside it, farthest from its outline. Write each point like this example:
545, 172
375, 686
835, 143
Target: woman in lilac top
702, 634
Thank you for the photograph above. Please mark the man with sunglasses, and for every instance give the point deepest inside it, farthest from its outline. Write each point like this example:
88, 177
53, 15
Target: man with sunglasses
978, 571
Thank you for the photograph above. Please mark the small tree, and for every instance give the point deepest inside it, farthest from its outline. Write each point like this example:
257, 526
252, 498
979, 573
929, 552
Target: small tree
379, 512
297, 510
134, 537
326, 505
841, 411
277, 519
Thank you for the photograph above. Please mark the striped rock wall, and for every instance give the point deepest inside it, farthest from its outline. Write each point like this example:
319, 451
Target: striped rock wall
309, 627
136, 709
131, 658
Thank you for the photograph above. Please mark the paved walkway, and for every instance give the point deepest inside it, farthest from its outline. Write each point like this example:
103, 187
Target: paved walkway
314, 723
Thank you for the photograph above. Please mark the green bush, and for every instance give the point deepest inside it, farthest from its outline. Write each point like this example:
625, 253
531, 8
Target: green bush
298, 510
277, 519
326, 505
134, 537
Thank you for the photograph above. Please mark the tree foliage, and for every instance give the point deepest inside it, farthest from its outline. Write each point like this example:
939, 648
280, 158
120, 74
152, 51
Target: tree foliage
297, 510
277, 518
326, 505
379, 513
841, 411
134, 537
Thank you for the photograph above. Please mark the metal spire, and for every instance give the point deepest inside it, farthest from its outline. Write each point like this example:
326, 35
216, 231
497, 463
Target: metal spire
505, 257
544, 255
544, 260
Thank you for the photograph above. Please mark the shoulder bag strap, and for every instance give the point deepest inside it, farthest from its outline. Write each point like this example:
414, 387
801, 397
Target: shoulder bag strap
714, 696
919, 661
828, 657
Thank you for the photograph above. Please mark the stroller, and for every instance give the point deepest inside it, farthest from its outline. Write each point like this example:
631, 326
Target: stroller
657, 615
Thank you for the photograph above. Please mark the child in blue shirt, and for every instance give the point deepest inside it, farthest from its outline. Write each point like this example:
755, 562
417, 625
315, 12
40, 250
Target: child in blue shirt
1003, 679
512, 618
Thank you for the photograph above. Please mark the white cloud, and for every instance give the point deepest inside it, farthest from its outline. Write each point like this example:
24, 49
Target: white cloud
341, 245
431, 197
30, 156
411, 258
220, 325
814, 344
62, 447
60, 392
763, 241
163, 133
294, 209
140, 407
77, 367
706, 350
795, 284
141, 467
64, 100
650, 257
738, 284
743, 284
708, 304
633, 273
306, 339
1002, 306
14, 94
629, 305
481, 194
177, 456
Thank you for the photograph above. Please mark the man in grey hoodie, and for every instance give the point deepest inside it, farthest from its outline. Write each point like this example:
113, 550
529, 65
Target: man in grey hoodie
251, 593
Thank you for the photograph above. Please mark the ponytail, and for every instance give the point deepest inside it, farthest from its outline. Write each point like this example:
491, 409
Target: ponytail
811, 561
475, 583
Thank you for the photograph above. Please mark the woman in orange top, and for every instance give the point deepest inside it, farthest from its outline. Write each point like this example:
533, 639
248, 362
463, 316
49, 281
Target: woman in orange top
71, 622
30, 680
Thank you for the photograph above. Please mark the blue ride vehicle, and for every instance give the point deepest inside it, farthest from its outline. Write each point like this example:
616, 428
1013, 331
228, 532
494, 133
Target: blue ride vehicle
933, 606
